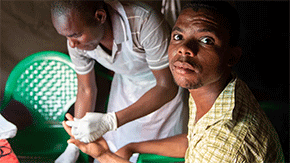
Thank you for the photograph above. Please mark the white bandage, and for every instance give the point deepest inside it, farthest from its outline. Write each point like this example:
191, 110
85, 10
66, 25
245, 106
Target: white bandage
7, 129
92, 126
70, 155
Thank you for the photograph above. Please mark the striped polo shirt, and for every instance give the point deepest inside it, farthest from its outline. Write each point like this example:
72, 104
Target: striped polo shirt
138, 31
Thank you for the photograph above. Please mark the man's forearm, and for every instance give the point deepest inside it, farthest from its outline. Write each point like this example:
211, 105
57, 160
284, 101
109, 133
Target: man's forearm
84, 103
148, 103
110, 157
87, 94
172, 147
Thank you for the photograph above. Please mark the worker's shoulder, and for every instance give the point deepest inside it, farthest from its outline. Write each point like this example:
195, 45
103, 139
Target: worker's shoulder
138, 10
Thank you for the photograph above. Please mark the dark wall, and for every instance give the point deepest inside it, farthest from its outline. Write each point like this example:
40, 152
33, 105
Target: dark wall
265, 43
264, 65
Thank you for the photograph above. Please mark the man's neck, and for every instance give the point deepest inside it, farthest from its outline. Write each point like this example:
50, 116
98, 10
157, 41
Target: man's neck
205, 96
107, 41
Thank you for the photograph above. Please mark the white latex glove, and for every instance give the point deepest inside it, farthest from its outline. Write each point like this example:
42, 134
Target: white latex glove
92, 126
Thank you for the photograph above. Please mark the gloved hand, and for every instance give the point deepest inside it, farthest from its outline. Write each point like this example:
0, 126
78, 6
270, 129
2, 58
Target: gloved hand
92, 126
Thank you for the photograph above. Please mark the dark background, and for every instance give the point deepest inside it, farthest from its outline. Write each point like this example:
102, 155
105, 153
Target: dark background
264, 65
265, 43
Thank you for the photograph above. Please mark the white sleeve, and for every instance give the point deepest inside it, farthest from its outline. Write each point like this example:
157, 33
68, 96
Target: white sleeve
155, 38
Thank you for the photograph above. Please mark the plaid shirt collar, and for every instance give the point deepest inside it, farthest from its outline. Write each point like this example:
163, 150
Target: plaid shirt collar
222, 109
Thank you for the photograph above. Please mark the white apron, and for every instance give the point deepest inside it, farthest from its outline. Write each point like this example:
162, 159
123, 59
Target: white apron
132, 79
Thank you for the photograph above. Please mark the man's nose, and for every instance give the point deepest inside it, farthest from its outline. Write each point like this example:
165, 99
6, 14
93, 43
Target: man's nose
72, 42
188, 48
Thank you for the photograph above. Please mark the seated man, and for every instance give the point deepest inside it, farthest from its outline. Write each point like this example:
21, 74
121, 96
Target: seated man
226, 122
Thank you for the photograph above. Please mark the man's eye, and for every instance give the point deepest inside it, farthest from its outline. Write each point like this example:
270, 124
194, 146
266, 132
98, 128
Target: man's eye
177, 37
77, 36
207, 40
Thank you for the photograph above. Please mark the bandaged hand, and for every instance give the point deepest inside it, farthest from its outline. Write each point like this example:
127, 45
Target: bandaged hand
92, 126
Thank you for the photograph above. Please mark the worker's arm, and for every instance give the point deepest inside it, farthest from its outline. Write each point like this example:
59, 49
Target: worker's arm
164, 91
93, 125
172, 147
87, 94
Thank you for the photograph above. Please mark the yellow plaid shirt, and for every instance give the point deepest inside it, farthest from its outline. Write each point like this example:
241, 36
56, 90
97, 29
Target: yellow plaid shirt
235, 129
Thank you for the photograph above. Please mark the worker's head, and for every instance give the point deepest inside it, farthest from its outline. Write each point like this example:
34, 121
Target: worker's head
80, 21
203, 45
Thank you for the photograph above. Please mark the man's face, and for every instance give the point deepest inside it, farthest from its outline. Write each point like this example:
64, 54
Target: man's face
76, 30
197, 49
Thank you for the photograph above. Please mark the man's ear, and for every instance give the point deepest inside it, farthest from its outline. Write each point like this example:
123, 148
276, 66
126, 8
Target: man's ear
235, 55
101, 15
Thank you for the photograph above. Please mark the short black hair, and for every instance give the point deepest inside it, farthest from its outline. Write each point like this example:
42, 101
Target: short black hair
230, 16
86, 8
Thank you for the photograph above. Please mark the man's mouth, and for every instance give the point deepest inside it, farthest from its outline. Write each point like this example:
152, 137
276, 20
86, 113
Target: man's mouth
88, 47
184, 67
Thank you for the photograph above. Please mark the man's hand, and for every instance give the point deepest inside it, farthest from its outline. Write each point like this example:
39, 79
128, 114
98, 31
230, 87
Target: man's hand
92, 126
66, 127
94, 149
98, 149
